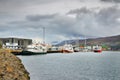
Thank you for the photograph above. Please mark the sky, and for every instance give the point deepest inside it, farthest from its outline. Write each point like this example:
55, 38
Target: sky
62, 19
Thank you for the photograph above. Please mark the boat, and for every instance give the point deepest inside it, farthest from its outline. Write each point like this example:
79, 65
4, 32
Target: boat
76, 49
97, 48
34, 49
85, 49
54, 49
67, 48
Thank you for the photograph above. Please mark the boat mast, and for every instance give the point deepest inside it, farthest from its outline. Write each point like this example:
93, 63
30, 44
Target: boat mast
85, 42
43, 35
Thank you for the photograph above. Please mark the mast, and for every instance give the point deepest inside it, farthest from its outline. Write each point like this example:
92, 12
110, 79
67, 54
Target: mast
85, 42
85, 45
43, 35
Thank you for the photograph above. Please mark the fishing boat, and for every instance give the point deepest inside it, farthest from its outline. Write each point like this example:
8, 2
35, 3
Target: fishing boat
97, 48
54, 49
67, 48
76, 49
34, 49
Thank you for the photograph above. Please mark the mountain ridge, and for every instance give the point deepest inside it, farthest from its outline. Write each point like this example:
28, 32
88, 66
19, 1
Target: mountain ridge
111, 41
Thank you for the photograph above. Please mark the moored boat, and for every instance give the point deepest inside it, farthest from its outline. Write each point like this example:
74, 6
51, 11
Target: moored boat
76, 49
54, 49
34, 49
67, 48
97, 48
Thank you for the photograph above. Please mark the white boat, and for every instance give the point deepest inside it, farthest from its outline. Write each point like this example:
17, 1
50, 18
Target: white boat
67, 48
34, 49
54, 49
97, 48
85, 49
76, 49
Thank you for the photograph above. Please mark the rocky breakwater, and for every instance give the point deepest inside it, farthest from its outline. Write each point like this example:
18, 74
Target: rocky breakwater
11, 68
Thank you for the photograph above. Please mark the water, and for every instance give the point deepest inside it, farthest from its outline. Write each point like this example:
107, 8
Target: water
75, 66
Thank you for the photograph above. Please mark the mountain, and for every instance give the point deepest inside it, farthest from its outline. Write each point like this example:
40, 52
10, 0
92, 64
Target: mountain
111, 42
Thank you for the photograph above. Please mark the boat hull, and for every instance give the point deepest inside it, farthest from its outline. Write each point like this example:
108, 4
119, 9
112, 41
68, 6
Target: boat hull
31, 53
67, 51
67, 48
53, 51
97, 50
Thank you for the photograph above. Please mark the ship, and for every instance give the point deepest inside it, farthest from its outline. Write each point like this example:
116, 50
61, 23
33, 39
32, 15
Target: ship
97, 48
54, 49
67, 48
34, 49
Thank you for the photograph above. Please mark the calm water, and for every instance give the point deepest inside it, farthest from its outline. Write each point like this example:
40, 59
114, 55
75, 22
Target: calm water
76, 66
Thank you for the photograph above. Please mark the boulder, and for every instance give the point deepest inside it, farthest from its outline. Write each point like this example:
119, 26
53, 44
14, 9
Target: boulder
11, 68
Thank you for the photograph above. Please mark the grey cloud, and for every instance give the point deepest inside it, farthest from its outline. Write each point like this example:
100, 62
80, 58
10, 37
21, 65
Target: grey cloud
15, 5
39, 17
94, 24
4, 15
58, 24
20, 3
86, 23
26, 1
116, 1
108, 17
2, 28
82, 10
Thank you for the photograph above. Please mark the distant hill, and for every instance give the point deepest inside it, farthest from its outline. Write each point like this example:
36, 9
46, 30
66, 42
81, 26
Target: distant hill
112, 40
108, 41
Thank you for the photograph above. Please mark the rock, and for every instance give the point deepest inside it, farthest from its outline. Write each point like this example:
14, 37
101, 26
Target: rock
11, 68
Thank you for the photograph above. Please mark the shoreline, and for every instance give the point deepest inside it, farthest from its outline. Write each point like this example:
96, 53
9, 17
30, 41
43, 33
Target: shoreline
11, 67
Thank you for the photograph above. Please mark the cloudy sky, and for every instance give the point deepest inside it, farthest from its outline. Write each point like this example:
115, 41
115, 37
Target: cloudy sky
62, 19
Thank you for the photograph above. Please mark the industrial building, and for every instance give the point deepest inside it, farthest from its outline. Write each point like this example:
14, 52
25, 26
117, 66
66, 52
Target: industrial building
15, 43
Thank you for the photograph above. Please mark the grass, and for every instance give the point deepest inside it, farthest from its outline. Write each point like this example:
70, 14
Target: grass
9, 50
4, 50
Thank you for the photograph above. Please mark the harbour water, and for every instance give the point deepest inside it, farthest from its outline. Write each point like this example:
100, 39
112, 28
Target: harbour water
74, 66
